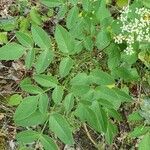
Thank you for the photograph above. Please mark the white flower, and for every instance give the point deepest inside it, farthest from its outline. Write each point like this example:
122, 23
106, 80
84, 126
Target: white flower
129, 50
137, 29
119, 38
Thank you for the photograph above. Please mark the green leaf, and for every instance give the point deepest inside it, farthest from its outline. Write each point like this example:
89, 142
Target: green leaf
80, 79
64, 40
69, 102
51, 3
43, 103
59, 125
57, 94
43, 61
15, 100
87, 114
48, 143
100, 116
3, 38
27, 136
135, 116
8, 24
102, 78
80, 90
27, 107
24, 39
72, 17
111, 132
122, 3
88, 43
103, 39
145, 142
11, 51
65, 66
102, 13
114, 113
113, 56
126, 73
35, 16
30, 57
28, 87
108, 94
46, 80
62, 12
123, 96
41, 38
34, 119
138, 131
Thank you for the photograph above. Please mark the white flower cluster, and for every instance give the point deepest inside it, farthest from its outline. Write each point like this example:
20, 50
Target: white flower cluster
134, 29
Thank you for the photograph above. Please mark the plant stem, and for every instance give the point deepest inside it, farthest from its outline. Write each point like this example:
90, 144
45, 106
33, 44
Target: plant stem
89, 136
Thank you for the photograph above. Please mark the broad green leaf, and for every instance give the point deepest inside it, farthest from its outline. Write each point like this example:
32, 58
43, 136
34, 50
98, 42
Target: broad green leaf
30, 57
57, 94
135, 116
65, 66
138, 131
129, 59
64, 40
114, 113
146, 3
46, 80
127, 74
24, 39
80, 79
27, 136
122, 3
41, 38
102, 78
88, 43
48, 143
11, 51
82, 112
35, 16
59, 125
34, 119
15, 100
111, 132
87, 114
108, 94
72, 17
24, 24
100, 116
102, 13
86, 5
123, 96
80, 90
43, 103
8, 24
27, 107
69, 102
113, 56
103, 39
62, 12
105, 103
3, 38
73, 2
43, 61
77, 30
51, 3
145, 142
30, 88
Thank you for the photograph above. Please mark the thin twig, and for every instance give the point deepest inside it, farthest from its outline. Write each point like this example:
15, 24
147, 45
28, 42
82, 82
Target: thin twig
89, 136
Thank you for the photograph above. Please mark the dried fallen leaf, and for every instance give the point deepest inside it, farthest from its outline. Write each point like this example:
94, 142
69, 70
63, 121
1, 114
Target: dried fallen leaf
1, 116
